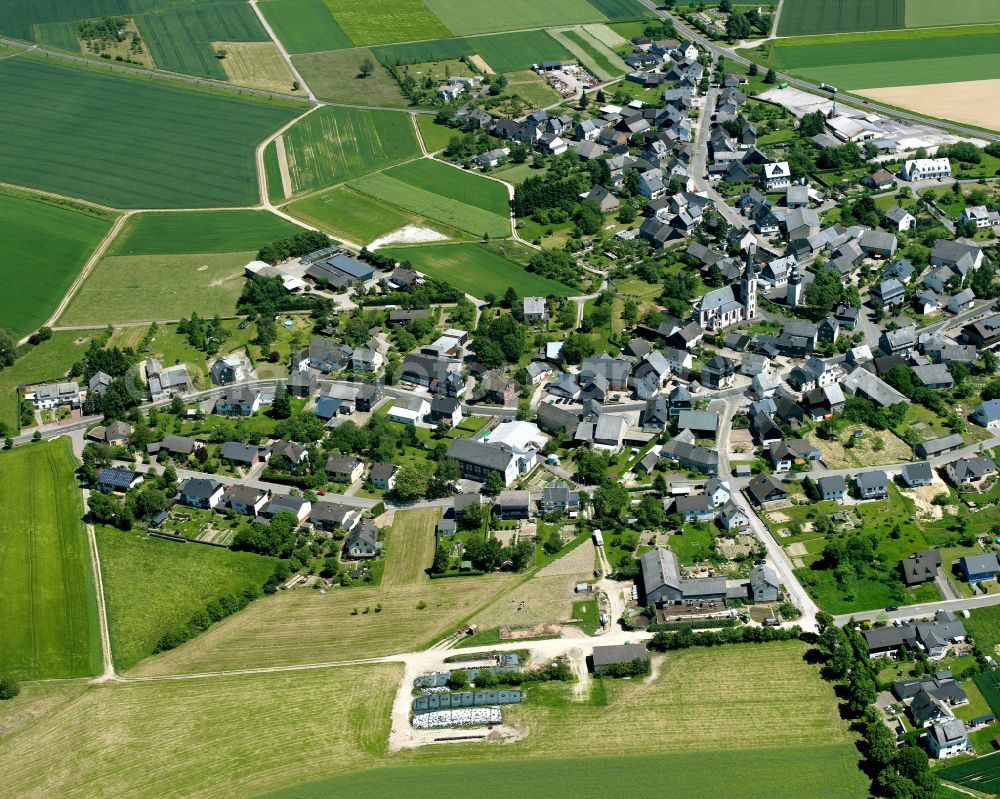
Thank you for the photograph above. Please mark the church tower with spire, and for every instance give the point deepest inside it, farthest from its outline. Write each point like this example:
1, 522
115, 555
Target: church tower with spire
748, 287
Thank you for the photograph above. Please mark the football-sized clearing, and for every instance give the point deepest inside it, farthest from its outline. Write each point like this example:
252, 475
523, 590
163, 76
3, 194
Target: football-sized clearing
50, 611
890, 58
208, 735
410, 547
336, 76
305, 626
199, 231
800, 17
477, 270
503, 52
138, 288
960, 102
429, 203
801, 744
45, 245
304, 26
336, 144
170, 146
928, 13
382, 21
152, 586
483, 16
259, 65
50, 360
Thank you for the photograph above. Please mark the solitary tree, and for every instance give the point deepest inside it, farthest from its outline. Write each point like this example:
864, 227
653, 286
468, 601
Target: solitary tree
367, 68
771, 76
281, 406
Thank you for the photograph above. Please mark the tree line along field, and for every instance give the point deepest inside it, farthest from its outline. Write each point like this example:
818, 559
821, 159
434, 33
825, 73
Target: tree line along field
333, 145
153, 586
46, 242
897, 58
50, 612
477, 270
129, 142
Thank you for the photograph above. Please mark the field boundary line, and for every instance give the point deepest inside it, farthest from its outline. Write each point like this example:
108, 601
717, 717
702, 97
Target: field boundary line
66, 197
87, 268
282, 50
108, 672
420, 136
286, 178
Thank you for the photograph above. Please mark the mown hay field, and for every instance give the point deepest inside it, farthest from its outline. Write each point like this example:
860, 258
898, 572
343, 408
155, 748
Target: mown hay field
478, 270
504, 52
129, 142
336, 76
410, 545
382, 21
305, 626
204, 739
259, 65
152, 586
50, 610
46, 242
332, 145
141, 288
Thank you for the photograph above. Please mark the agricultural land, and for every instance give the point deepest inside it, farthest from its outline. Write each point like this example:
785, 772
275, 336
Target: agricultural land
45, 570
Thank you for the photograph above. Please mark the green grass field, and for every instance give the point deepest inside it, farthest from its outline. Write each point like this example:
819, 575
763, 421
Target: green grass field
200, 231
800, 17
456, 200
620, 9
345, 213
50, 360
455, 184
984, 626
982, 775
928, 13
411, 542
477, 270
504, 52
898, 58
181, 40
304, 26
435, 136
336, 144
592, 54
45, 245
170, 146
153, 586
204, 738
272, 172
137, 288
383, 21
335, 76
465, 17
50, 612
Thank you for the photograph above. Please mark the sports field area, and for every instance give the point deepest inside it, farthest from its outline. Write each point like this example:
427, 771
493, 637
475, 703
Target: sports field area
129, 142
896, 58
152, 586
504, 52
45, 243
50, 611
332, 145
139, 288
444, 194
477, 270
199, 231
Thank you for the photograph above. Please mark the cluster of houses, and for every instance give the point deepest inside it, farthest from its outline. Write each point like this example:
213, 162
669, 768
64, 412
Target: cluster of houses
664, 584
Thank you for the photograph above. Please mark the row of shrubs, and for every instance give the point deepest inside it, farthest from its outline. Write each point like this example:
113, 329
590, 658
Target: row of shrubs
704, 624
663, 641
